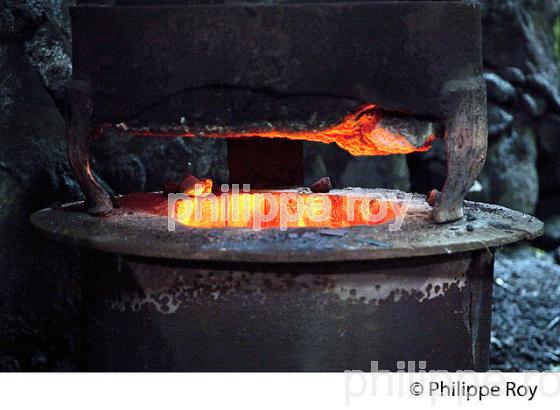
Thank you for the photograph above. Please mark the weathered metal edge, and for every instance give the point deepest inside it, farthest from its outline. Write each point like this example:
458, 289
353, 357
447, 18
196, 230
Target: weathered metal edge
148, 237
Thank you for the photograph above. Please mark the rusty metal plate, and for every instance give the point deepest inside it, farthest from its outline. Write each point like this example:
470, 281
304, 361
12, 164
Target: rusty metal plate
235, 63
145, 234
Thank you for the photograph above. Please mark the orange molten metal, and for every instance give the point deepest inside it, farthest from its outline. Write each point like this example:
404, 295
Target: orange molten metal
276, 210
359, 133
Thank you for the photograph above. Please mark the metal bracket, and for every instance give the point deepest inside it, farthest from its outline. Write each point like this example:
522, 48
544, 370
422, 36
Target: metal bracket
80, 132
466, 141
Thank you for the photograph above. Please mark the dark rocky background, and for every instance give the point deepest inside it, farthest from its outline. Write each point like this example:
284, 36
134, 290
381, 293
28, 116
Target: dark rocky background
39, 297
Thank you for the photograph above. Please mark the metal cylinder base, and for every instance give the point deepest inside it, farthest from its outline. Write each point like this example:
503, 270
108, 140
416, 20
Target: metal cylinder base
146, 314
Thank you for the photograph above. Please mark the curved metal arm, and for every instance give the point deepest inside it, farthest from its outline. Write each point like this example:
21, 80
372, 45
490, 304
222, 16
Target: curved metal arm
466, 140
79, 134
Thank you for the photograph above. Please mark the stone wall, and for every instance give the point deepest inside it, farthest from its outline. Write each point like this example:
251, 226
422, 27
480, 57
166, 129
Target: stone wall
39, 305
38, 293
524, 101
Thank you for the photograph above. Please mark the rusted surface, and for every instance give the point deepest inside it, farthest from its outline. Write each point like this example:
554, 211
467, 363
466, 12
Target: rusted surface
168, 315
480, 288
80, 132
145, 233
466, 139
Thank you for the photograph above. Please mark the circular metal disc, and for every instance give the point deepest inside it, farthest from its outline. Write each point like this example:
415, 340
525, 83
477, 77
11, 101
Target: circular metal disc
146, 234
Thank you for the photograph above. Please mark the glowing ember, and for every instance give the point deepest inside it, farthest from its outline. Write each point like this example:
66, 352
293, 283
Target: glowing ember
193, 186
359, 133
264, 210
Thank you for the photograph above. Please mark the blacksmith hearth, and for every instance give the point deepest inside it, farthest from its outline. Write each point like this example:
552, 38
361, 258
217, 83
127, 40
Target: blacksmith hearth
374, 78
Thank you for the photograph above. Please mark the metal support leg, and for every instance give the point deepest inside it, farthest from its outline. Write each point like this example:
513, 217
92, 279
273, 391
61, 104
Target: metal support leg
466, 139
80, 132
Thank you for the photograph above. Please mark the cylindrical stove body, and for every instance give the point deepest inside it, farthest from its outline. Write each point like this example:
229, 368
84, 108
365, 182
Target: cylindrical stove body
145, 314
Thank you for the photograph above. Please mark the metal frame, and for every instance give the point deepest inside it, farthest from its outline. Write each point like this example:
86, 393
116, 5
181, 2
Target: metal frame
422, 58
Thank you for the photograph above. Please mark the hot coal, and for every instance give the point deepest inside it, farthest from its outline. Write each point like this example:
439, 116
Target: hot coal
432, 197
322, 186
